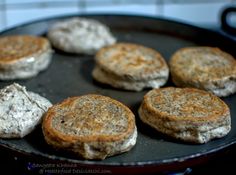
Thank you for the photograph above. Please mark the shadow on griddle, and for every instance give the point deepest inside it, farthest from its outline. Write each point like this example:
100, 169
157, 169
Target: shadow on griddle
169, 82
86, 68
37, 141
61, 52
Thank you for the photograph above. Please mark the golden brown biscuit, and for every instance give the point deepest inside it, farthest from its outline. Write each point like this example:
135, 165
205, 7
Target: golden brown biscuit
205, 68
188, 114
92, 126
23, 56
130, 66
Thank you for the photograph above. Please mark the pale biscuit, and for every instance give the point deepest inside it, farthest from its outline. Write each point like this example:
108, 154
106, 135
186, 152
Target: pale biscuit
20, 111
80, 35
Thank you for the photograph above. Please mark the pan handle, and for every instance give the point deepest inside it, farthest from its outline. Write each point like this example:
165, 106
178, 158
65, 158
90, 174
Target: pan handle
225, 20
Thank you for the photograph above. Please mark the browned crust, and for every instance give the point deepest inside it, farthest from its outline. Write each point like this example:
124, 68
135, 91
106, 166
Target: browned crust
181, 78
145, 73
198, 120
54, 135
16, 47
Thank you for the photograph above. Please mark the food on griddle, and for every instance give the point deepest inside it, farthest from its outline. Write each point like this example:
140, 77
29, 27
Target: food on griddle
23, 56
130, 66
205, 68
80, 35
90, 126
187, 114
20, 111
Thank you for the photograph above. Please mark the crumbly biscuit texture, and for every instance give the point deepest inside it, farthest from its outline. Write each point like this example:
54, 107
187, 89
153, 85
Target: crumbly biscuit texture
80, 35
20, 111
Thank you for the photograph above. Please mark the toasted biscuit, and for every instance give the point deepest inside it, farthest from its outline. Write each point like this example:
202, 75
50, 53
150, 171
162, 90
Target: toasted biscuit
188, 114
130, 66
80, 35
20, 111
23, 56
205, 68
92, 126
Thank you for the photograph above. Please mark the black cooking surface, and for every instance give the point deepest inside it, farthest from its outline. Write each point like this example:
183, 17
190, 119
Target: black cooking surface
70, 75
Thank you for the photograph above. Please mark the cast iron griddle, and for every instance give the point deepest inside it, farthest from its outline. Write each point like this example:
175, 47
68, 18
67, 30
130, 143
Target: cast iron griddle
70, 75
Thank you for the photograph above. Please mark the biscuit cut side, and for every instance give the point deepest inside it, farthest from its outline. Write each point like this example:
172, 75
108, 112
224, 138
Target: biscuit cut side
92, 126
20, 111
205, 68
187, 114
80, 35
130, 66
104, 77
23, 56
